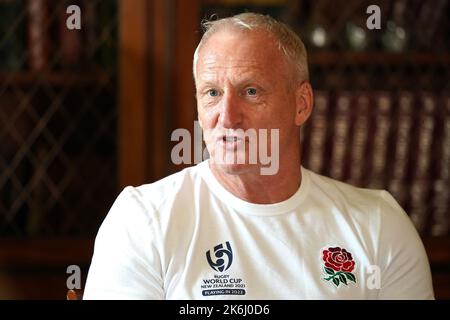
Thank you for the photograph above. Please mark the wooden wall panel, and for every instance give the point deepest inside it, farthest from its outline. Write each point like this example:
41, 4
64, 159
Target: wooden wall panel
37, 268
133, 52
157, 42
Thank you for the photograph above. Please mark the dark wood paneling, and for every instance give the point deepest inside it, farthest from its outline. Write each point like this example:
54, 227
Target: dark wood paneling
160, 39
187, 30
133, 53
36, 268
157, 43
45, 252
438, 250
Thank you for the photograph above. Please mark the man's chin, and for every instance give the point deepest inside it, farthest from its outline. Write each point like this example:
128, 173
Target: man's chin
234, 168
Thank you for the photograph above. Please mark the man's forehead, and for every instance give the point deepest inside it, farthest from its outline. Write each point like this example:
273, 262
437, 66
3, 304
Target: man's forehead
212, 68
239, 55
211, 62
236, 53
234, 42
236, 72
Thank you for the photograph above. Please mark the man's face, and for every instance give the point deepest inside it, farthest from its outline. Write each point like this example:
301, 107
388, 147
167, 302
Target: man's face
244, 82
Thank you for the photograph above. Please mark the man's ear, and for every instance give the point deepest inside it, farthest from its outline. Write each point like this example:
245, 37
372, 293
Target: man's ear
304, 102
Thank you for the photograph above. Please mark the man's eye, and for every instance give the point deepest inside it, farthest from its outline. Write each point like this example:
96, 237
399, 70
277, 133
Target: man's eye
213, 93
251, 91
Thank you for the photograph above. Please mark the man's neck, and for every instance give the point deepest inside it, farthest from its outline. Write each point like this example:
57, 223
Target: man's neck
262, 189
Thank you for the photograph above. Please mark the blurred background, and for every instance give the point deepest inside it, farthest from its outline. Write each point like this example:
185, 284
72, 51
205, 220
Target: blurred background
84, 113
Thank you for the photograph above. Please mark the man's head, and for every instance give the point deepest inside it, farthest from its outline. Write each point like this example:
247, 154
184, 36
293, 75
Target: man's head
286, 39
251, 74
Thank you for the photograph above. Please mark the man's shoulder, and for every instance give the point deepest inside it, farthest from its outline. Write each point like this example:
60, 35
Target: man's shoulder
155, 193
363, 204
340, 189
171, 180
361, 200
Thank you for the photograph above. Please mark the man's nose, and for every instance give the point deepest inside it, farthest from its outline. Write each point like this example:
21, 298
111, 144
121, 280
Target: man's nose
230, 112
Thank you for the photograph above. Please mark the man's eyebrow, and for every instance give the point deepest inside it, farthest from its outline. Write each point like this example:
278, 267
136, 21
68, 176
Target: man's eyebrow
252, 79
204, 87
206, 84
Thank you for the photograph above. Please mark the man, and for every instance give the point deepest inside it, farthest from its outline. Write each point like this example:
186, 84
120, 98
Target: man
225, 229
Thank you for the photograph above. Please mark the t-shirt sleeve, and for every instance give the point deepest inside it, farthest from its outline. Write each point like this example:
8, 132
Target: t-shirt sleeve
404, 267
126, 263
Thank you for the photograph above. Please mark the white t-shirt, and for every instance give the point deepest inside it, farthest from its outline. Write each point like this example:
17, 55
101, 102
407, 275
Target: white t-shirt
187, 237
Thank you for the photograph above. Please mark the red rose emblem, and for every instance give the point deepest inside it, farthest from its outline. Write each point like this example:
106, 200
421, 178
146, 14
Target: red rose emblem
339, 265
338, 259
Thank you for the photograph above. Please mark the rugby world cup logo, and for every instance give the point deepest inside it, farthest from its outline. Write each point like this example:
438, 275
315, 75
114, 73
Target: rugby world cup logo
223, 257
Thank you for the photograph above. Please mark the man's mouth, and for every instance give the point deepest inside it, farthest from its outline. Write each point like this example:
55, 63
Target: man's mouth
230, 138
230, 141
